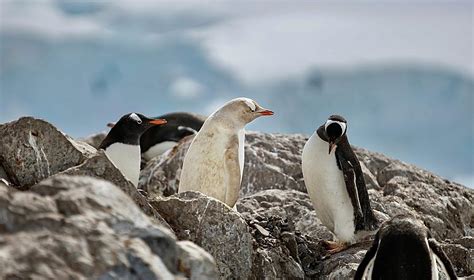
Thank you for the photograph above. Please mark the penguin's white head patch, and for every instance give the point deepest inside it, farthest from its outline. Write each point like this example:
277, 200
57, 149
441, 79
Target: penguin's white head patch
136, 118
341, 124
250, 103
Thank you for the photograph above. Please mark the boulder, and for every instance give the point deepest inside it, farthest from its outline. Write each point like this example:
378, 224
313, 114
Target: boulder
99, 166
73, 227
212, 225
32, 150
160, 176
288, 239
195, 262
95, 139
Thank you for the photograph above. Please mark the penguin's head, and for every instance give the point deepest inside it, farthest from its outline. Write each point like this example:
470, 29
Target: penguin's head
136, 124
335, 128
243, 110
129, 129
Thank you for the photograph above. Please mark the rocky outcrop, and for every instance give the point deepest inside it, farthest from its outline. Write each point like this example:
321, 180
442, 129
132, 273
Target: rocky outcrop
32, 150
285, 229
100, 166
79, 227
212, 225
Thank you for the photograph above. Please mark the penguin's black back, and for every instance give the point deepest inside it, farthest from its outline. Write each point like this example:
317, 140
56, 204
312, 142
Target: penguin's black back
172, 130
403, 253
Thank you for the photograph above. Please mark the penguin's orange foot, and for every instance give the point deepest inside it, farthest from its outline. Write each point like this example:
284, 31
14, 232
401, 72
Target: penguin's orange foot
334, 247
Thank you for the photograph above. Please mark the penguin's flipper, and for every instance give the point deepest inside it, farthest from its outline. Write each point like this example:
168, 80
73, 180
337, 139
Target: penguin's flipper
232, 175
349, 179
370, 221
434, 246
362, 269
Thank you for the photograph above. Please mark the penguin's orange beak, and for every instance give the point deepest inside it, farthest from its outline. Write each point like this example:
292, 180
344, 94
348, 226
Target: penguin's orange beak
158, 121
266, 113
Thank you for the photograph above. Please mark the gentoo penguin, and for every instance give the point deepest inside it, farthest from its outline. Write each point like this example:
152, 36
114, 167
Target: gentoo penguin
335, 184
159, 139
214, 162
403, 249
122, 143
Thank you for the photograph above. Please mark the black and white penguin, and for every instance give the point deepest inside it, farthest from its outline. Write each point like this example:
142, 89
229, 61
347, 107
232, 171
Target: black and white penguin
404, 249
122, 143
335, 184
158, 139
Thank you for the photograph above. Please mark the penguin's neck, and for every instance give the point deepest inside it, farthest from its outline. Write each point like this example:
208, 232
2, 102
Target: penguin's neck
223, 122
126, 158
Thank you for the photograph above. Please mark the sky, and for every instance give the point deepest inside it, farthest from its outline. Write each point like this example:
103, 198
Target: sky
400, 71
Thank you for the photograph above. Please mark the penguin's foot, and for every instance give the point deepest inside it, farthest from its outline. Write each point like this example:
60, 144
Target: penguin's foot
334, 247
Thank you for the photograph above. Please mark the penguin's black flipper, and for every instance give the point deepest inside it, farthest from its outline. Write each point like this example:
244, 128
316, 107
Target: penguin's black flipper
434, 246
349, 179
346, 152
367, 258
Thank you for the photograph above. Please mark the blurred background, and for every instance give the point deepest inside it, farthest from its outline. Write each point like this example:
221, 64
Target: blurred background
401, 72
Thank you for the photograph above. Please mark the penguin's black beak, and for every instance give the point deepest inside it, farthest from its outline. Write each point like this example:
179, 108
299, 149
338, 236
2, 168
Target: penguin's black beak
332, 146
157, 121
110, 124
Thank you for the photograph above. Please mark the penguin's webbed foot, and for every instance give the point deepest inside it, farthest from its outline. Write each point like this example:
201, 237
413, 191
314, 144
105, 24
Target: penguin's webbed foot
334, 247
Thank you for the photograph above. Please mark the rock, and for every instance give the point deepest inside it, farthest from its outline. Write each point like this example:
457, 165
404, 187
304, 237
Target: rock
272, 161
95, 139
79, 227
32, 150
160, 177
100, 166
289, 218
212, 225
195, 262
290, 248
461, 254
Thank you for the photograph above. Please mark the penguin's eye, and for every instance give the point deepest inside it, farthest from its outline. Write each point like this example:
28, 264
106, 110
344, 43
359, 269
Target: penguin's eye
139, 121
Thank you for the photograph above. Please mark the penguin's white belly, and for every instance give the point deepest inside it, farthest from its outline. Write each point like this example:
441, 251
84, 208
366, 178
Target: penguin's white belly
327, 189
158, 149
204, 166
127, 159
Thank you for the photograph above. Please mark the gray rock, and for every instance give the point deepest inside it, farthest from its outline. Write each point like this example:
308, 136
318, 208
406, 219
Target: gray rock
461, 254
280, 218
160, 176
286, 231
99, 166
32, 150
196, 262
212, 225
83, 228
95, 139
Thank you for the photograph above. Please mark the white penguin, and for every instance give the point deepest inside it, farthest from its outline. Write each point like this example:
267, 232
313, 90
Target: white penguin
214, 162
